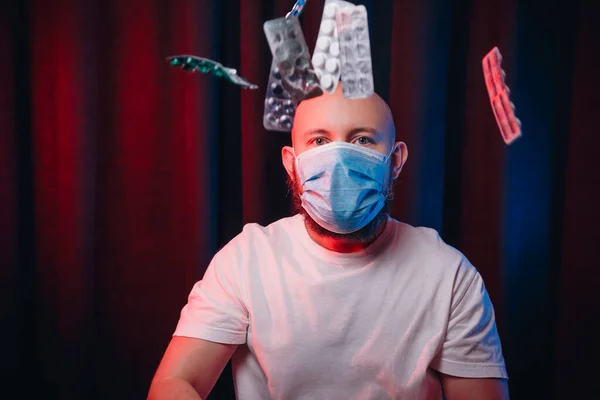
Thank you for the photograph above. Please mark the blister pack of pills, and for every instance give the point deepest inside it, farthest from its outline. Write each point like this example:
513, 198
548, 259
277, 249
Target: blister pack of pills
287, 43
207, 66
280, 106
355, 51
498, 92
284, 93
291, 78
326, 55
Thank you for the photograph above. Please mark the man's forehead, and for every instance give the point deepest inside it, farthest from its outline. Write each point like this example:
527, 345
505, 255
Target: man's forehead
332, 112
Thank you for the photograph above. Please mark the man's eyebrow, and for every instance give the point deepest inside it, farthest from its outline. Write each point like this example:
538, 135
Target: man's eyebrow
354, 131
315, 132
365, 129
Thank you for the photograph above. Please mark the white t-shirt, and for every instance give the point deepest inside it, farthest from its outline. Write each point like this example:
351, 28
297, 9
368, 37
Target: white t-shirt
315, 324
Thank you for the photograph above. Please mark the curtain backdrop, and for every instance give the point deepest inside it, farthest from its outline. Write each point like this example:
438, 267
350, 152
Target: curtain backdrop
120, 177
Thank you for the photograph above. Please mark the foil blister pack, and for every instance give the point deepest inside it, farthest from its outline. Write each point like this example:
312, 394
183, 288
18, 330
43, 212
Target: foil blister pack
287, 43
280, 106
291, 78
326, 55
355, 52
207, 66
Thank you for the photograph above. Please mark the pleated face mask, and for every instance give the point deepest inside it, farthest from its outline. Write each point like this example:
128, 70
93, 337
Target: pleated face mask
344, 185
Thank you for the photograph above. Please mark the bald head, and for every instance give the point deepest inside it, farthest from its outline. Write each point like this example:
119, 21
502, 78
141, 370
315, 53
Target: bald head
336, 118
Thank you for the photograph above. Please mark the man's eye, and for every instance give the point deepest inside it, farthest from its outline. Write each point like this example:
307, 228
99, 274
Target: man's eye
319, 141
364, 140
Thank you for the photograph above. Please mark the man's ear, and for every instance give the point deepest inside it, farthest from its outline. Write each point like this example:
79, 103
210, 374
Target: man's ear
399, 157
288, 158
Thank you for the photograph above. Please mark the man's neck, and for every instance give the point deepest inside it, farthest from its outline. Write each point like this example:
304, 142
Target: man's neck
343, 245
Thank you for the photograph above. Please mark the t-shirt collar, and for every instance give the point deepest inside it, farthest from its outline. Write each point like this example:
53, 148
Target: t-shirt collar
359, 257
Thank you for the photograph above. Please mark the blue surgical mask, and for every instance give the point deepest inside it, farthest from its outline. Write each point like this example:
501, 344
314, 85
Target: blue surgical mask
344, 185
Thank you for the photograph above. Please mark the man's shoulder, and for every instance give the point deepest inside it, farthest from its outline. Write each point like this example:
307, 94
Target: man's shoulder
424, 238
284, 226
426, 245
257, 236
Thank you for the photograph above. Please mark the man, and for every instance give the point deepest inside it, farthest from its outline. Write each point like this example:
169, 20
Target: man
340, 301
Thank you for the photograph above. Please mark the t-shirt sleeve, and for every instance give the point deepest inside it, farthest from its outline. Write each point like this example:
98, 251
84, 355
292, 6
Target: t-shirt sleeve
215, 310
471, 348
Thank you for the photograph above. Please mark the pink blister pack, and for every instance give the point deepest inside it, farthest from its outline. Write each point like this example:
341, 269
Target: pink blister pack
499, 94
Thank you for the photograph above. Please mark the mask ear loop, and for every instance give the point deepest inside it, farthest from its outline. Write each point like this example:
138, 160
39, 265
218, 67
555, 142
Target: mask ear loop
296, 163
389, 156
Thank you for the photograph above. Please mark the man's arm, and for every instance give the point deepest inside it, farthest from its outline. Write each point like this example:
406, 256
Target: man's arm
456, 388
189, 369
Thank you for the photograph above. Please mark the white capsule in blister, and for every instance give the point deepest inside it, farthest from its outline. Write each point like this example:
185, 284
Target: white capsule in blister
326, 82
329, 11
334, 49
323, 43
327, 28
332, 65
319, 60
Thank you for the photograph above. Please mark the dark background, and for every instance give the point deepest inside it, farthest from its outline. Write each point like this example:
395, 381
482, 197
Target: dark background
120, 177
